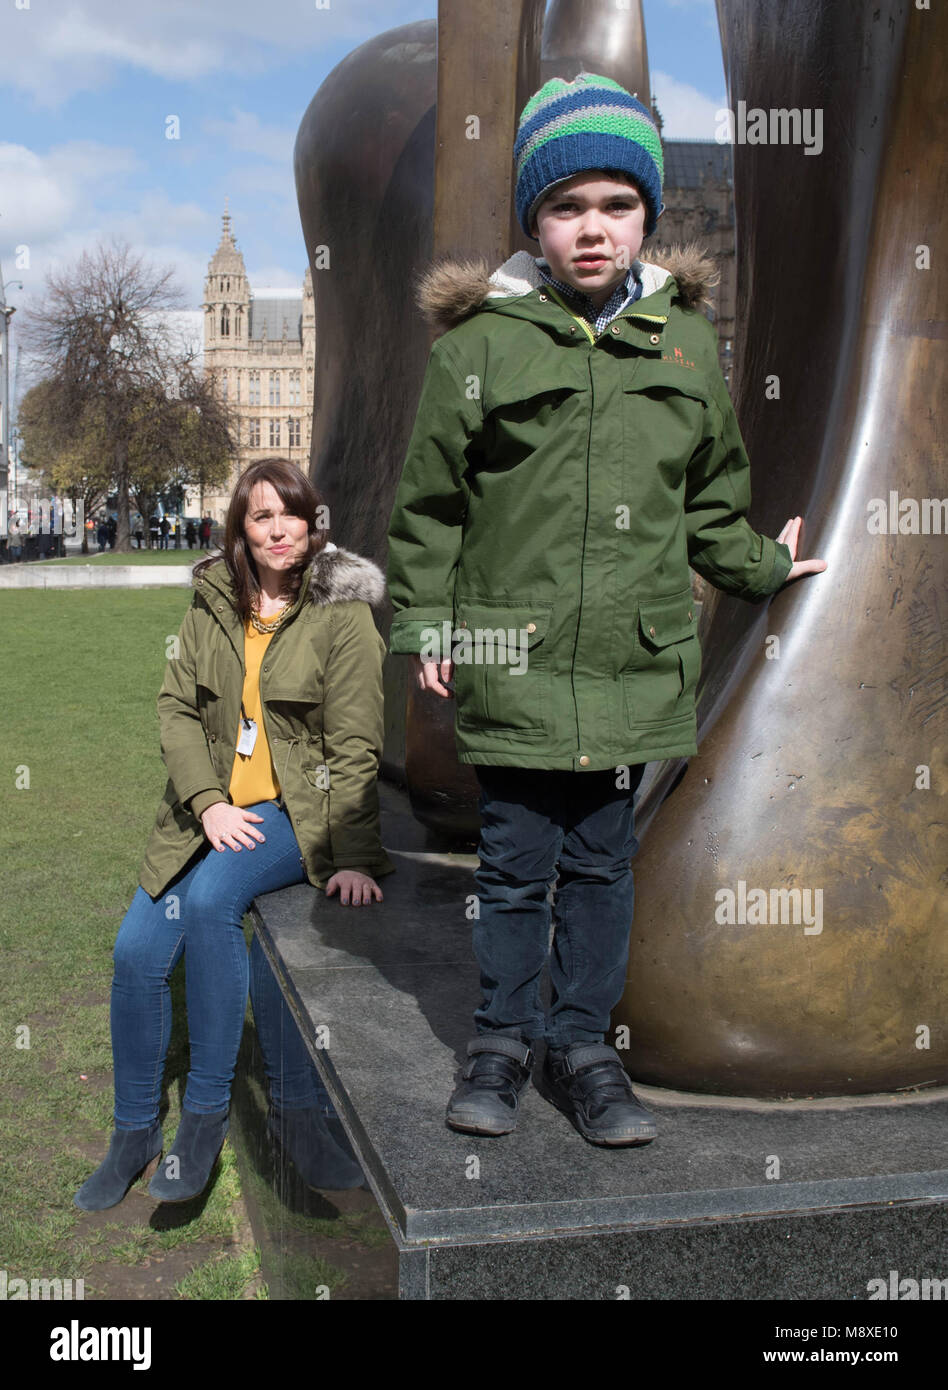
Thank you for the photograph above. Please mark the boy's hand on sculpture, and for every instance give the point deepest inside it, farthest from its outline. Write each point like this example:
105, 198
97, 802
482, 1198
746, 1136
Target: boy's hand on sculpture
790, 536
434, 675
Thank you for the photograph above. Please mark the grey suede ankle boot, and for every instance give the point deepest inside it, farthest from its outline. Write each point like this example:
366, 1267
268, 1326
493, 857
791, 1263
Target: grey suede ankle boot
133, 1153
187, 1168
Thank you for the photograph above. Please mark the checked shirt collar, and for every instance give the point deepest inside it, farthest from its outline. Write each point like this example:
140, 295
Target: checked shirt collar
626, 292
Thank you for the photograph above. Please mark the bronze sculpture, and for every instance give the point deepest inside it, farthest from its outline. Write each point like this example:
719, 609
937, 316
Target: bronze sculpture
823, 769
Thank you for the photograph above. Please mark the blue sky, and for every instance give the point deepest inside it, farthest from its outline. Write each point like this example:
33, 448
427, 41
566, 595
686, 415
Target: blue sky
86, 87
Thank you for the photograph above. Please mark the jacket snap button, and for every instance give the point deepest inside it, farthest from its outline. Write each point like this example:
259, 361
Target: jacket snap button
543, 298
573, 329
584, 761
213, 738
220, 608
655, 338
531, 627
651, 632
615, 328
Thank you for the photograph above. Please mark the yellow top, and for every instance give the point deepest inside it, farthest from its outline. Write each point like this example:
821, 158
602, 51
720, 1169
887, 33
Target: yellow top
253, 777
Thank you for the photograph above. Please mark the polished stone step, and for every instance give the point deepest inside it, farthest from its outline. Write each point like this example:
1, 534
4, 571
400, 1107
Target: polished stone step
735, 1199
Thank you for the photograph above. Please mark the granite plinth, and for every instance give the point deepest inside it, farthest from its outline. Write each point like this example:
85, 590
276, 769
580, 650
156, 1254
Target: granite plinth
734, 1199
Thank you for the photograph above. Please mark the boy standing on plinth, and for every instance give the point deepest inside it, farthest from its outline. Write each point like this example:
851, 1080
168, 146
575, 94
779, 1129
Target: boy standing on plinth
574, 451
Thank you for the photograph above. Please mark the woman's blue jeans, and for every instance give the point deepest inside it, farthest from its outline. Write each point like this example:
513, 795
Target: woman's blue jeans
199, 914
534, 822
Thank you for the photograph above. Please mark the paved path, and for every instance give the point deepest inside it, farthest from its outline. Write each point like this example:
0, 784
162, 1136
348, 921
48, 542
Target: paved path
47, 574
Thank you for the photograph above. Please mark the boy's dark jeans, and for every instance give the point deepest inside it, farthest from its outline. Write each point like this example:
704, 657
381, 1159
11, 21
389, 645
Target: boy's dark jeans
534, 821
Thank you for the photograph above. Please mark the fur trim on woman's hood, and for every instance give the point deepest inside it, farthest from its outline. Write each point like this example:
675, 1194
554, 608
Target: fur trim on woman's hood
336, 576
452, 290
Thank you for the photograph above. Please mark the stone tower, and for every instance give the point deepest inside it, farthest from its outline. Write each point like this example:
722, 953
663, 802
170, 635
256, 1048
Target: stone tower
226, 294
259, 344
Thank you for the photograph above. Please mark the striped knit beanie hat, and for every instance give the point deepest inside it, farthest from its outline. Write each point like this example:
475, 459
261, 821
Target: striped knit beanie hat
568, 128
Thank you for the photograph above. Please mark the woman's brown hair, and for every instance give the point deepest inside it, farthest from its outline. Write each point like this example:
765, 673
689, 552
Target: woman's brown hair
299, 497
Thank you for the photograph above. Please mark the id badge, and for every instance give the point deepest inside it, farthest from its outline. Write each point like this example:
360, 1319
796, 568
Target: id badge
248, 736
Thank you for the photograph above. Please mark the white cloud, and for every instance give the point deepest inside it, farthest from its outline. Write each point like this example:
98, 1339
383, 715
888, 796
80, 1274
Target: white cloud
34, 203
156, 210
53, 50
78, 38
43, 193
246, 133
52, 205
687, 113
256, 180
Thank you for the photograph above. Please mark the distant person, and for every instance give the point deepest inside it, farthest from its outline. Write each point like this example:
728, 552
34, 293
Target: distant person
140, 539
164, 528
190, 535
102, 535
241, 816
206, 532
16, 539
177, 534
112, 525
153, 533
54, 541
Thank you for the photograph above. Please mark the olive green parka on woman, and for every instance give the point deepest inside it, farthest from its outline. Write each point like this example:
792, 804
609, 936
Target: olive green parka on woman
321, 697
557, 486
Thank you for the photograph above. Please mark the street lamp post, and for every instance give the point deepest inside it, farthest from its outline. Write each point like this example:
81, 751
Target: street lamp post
15, 452
6, 313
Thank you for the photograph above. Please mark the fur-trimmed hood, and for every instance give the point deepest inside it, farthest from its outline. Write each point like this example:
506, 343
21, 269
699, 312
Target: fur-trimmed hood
452, 290
336, 575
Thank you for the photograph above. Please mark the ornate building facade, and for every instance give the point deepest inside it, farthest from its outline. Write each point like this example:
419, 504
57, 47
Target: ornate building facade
261, 346
698, 193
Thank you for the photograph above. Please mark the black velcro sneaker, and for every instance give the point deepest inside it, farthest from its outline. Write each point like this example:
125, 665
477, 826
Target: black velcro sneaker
487, 1098
588, 1082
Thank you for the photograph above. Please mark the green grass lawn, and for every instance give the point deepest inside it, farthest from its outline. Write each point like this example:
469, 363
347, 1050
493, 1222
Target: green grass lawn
82, 776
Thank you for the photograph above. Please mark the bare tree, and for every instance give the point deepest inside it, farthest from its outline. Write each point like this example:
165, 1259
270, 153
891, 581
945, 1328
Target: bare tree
105, 339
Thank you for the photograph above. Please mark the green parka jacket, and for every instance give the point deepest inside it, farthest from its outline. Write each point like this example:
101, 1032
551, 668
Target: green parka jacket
321, 696
556, 488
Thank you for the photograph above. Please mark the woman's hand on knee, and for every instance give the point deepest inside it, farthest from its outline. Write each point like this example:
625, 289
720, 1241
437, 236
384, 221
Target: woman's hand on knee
229, 827
354, 886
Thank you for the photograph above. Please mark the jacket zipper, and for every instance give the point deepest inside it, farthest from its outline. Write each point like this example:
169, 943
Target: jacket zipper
294, 738
650, 318
581, 321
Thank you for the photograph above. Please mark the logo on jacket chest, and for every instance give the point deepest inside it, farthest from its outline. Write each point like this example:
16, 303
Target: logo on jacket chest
678, 358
